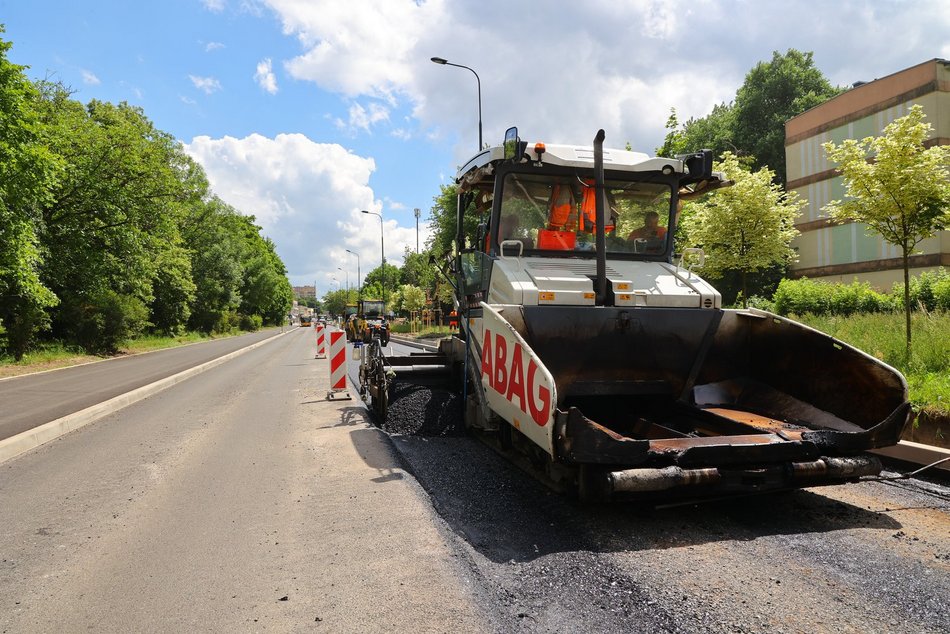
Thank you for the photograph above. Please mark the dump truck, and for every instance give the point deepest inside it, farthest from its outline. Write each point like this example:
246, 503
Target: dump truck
593, 349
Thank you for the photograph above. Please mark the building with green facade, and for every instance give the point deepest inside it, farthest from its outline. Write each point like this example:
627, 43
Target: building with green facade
843, 252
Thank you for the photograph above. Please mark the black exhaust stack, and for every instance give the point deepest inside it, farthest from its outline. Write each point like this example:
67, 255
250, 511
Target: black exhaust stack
600, 284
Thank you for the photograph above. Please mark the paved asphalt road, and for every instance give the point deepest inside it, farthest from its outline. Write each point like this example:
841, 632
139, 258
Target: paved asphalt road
238, 500
34, 399
244, 500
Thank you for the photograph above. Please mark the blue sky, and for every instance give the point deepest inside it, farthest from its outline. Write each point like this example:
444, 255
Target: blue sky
304, 112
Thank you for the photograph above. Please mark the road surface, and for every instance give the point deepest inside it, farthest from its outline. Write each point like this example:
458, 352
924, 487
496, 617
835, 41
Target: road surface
239, 500
242, 499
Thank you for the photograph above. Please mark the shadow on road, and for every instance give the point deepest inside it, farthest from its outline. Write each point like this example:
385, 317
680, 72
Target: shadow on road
507, 515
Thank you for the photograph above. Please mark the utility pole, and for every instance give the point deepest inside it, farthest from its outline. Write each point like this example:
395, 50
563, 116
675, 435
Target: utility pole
416, 211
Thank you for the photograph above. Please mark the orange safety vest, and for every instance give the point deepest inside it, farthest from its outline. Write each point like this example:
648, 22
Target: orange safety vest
564, 217
589, 209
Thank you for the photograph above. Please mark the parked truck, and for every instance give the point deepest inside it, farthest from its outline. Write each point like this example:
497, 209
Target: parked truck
591, 347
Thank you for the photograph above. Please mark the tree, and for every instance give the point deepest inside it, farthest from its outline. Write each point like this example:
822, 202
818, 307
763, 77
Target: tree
28, 172
747, 227
334, 302
773, 93
216, 249
413, 298
674, 142
173, 291
417, 270
375, 278
442, 219
115, 211
712, 132
903, 194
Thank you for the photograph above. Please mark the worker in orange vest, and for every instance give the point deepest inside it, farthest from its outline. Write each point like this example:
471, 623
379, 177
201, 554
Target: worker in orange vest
453, 320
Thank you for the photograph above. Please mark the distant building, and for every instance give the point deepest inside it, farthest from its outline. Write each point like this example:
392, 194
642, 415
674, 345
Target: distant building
305, 292
844, 252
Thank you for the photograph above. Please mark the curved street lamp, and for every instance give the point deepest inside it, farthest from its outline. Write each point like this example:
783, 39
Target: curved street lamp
444, 62
347, 274
359, 279
382, 251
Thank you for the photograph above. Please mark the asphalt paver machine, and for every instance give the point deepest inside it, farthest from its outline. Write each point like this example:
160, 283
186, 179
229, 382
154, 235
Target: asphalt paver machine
591, 349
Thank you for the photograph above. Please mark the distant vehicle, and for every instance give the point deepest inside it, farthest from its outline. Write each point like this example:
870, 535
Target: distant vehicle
305, 321
368, 323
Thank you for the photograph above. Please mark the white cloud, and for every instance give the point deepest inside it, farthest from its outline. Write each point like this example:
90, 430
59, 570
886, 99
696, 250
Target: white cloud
89, 78
215, 6
356, 52
565, 71
308, 198
187, 100
213, 46
364, 119
207, 85
264, 76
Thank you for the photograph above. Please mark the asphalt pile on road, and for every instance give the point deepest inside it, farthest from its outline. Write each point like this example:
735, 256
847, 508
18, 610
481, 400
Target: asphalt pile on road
420, 410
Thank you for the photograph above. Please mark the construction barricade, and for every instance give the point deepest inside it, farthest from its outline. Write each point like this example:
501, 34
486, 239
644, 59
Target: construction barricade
338, 365
321, 342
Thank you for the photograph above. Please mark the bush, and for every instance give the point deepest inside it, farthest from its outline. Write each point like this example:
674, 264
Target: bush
24, 318
103, 322
804, 296
226, 322
251, 323
761, 303
927, 291
941, 291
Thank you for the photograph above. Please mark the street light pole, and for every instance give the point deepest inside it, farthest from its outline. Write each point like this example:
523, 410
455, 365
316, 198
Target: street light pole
359, 276
347, 274
382, 251
445, 62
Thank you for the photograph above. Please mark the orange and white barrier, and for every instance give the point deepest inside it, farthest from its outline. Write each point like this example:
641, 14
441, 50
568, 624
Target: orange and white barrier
337, 364
321, 342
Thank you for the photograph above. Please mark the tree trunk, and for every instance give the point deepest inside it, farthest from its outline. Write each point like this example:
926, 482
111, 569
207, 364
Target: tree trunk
906, 302
745, 293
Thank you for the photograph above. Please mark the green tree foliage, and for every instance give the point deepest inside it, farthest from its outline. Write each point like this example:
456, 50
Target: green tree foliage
746, 227
903, 195
752, 127
413, 298
28, 171
417, 270
173, 291
107, 228
216, 247
113, 213
773, 93
381, 280
334, 302
443, 221
712, 132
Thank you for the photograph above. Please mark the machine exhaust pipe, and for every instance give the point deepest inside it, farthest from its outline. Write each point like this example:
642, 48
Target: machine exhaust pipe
600, 286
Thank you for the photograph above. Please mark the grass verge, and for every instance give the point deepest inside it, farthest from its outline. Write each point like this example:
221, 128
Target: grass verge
882, 336
54, 355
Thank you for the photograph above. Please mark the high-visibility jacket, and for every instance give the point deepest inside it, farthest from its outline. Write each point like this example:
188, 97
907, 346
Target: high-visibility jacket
564, 216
